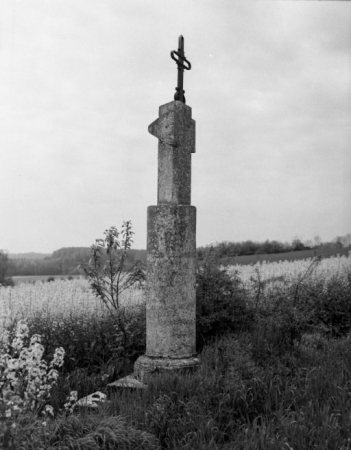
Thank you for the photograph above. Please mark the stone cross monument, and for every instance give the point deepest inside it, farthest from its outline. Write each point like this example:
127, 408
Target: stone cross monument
171, 241
171, 244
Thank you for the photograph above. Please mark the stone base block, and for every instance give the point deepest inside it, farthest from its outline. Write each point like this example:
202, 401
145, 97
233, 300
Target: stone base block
129, 382
146, 366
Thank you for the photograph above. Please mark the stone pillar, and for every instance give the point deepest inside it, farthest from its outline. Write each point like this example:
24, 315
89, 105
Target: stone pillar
171, 249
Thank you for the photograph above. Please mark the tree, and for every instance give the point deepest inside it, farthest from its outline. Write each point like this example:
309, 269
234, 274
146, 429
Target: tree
297, 245
106, 267
109, 278
4, 265
317, 241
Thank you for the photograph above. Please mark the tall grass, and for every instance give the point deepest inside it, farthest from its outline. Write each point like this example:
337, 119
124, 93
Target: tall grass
283, 381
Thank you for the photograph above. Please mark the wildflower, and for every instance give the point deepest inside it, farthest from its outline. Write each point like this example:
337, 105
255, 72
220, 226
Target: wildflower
25, 379
71, 401
58, 357
49, 410
36, 338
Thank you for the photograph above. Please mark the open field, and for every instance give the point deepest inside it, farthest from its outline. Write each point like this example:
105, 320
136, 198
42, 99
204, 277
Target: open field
289, 271
60, 298
34, 278
74, 297
274, 380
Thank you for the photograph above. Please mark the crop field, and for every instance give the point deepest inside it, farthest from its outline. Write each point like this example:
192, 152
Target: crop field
274, 274
279, 378
59, 299
62, 298
33, 278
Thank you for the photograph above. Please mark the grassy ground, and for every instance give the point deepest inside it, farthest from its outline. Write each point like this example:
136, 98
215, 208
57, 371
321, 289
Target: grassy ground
275, 374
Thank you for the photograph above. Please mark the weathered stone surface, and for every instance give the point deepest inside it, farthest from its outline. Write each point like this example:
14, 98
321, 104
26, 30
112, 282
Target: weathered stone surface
127, 382
175, 130
146, 366
171, 246
174, 175
175, 126
170, 306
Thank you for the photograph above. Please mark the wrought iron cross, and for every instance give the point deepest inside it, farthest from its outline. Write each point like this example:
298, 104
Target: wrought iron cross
182, 64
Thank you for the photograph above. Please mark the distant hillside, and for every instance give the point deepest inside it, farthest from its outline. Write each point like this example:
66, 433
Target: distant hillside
31, 255
64, 261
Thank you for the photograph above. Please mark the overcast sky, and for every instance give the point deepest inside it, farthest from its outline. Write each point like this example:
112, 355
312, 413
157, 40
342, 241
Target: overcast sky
81, 80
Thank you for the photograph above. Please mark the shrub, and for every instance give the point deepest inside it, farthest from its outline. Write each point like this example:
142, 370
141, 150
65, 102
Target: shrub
333, 307
220, 302
109, 278
94, 341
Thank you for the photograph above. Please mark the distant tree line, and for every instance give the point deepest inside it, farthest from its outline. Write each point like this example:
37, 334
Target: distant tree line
228, 249
5, 279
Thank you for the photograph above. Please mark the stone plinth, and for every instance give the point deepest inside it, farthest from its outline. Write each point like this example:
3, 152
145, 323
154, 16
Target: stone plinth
146, 366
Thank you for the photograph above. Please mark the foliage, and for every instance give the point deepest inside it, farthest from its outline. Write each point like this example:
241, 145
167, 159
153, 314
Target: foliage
283, 383
237, 401
282, 314
94, 341
77, 433
220, 302
25, 378
332, 307
101, 433
106, 271
229, 249
4, 266
109, 279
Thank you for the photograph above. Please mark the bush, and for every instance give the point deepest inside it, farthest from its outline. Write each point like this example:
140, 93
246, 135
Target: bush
333, 307
220, 302
92, 342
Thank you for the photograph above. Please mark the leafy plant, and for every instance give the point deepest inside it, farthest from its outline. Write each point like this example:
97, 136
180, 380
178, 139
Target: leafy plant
220, 302
334, 306
109, 279
106, 267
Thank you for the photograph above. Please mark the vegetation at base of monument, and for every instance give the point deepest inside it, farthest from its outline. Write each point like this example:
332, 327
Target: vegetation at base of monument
106, 270
220, 302
277, 378
241, 397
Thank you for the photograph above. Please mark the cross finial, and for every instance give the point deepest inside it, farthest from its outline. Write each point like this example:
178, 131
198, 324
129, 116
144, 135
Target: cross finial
182, 64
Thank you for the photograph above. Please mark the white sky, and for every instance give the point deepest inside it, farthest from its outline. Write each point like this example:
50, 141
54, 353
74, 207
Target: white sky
81, 80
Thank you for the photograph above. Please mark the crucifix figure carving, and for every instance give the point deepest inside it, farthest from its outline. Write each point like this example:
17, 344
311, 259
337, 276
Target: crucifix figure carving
182, 64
